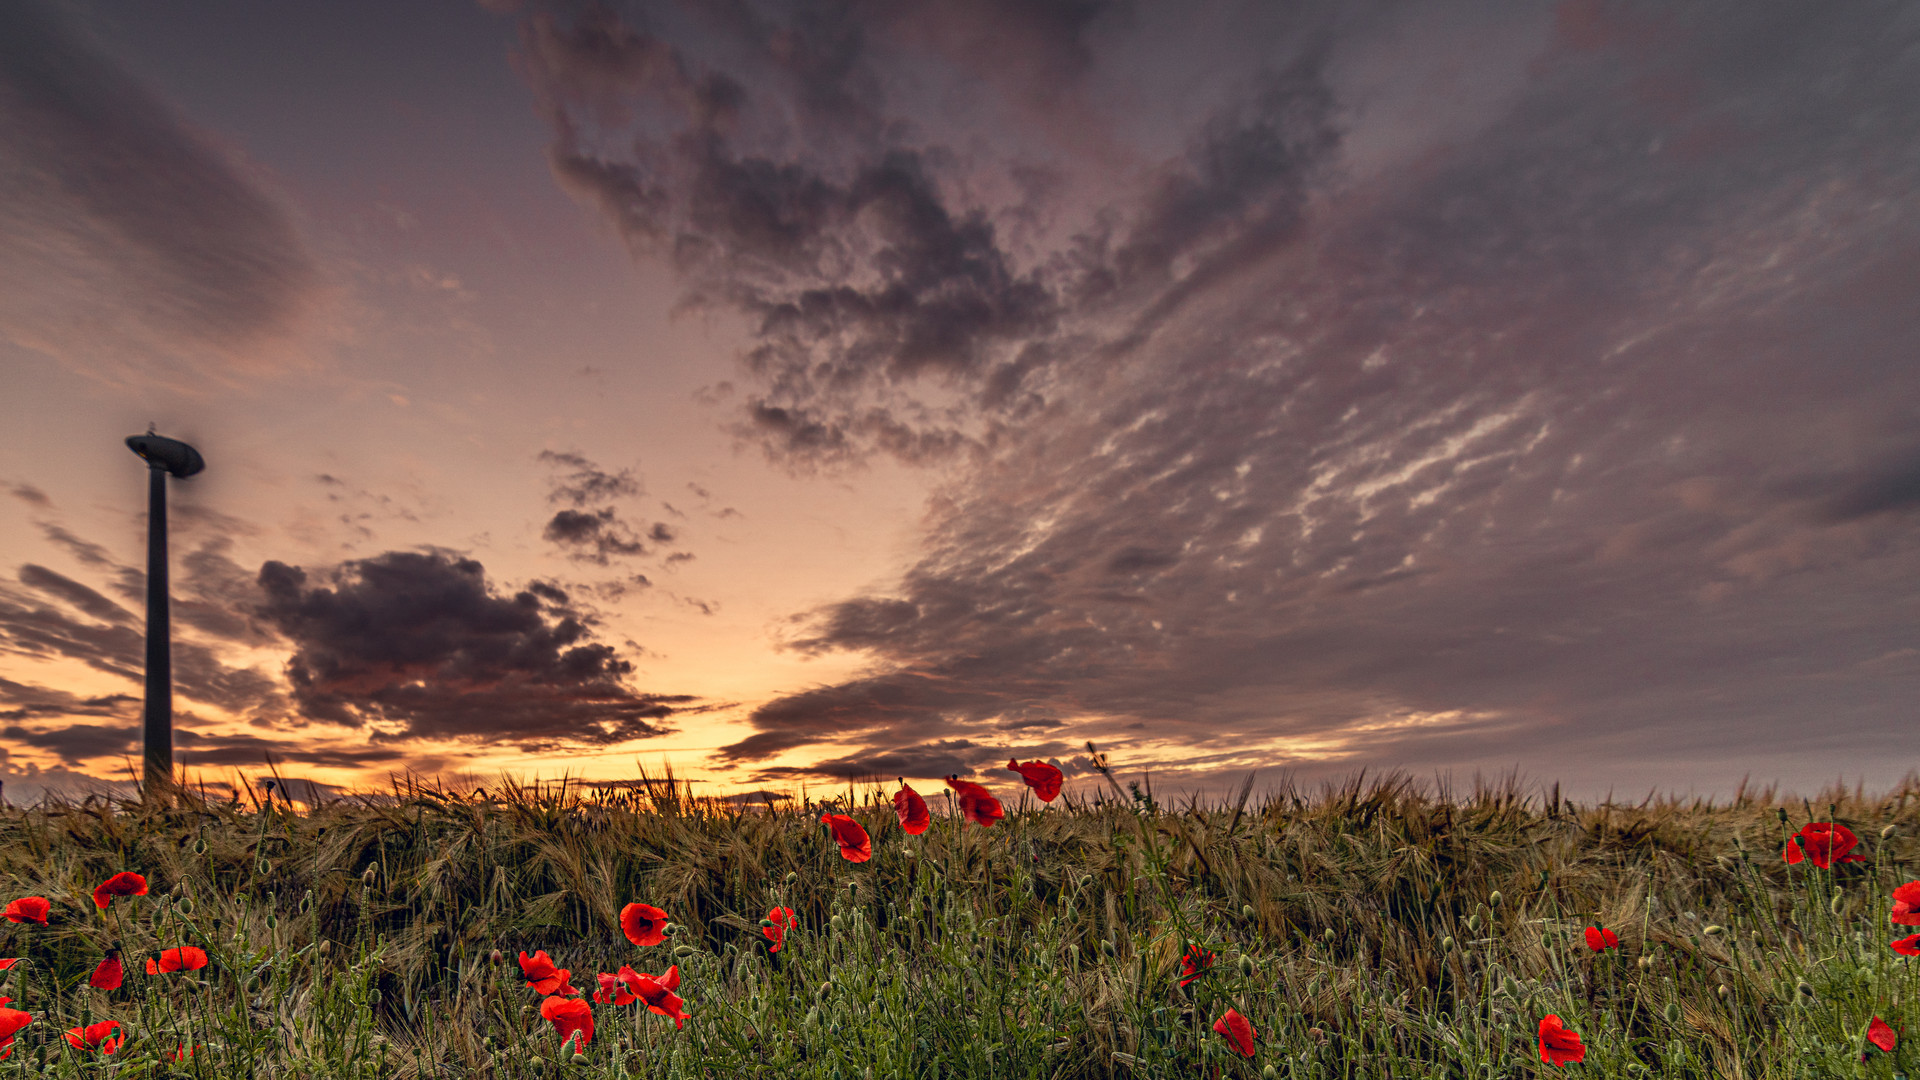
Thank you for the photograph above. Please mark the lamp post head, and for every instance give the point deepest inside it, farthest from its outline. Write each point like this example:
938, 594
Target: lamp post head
172, 455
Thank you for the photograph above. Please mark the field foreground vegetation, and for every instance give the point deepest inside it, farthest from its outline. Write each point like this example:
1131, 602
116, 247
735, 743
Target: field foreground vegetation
1372, 929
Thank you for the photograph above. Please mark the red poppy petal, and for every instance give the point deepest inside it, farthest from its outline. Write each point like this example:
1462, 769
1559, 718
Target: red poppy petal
912, 811
643, 924
1907, 946
1881, 1035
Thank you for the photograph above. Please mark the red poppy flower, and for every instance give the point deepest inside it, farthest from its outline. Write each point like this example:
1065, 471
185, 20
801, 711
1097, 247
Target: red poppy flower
977, 804
660, 996
613, 989
8, 962
1043, 778
1195, 963
95, 1037
1239, 1033
782, 920
1825, 843
643, 924
569, 1015
912, 810
182, 1052
855, 844
1600, 939
31, 909
11, 1021
1881, 1035
1558, 1044
124, 883
1907, 946
109, 974
184, 958
1906, 905
543, 977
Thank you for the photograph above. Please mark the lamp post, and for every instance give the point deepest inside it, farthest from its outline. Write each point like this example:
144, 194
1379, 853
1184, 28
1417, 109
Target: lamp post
163, 456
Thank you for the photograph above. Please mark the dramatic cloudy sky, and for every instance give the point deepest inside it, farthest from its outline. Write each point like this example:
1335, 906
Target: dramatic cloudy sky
790, 391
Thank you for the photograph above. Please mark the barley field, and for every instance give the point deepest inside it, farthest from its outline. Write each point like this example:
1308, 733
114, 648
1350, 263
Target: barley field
1376, 928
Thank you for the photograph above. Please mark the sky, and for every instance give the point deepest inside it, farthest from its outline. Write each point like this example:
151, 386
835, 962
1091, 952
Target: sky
803, 392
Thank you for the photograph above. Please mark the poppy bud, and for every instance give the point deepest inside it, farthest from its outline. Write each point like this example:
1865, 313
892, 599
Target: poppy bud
185, 904
1493, 899
1723, 990
1106, 946
1782, 811
1073, 954
683, 951
367, 875
1835, 904
1086, 881
1803, 992
494, 957
1473, 923
273, 920
1328, 935
853, 888
260, 868
826, 988
1269, 1073
793, 876
1886, 831
1446, 943
768, 923
839, 925
326, 947
579, 1058
1714, 930
1673, 1012
1246, 965
373, 996
1646, 963
1247, 912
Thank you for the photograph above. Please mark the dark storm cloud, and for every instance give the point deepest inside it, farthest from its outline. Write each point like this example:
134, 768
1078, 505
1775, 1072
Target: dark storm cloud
1574, 432
99, 161
593, 536
80, 596
586, 482
75, 743
216, 751
416, 645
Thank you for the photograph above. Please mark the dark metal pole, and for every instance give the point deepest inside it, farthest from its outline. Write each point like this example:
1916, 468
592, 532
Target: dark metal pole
159, 722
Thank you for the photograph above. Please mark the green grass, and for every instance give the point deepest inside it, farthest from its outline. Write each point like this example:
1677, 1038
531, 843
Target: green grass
1355, 928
